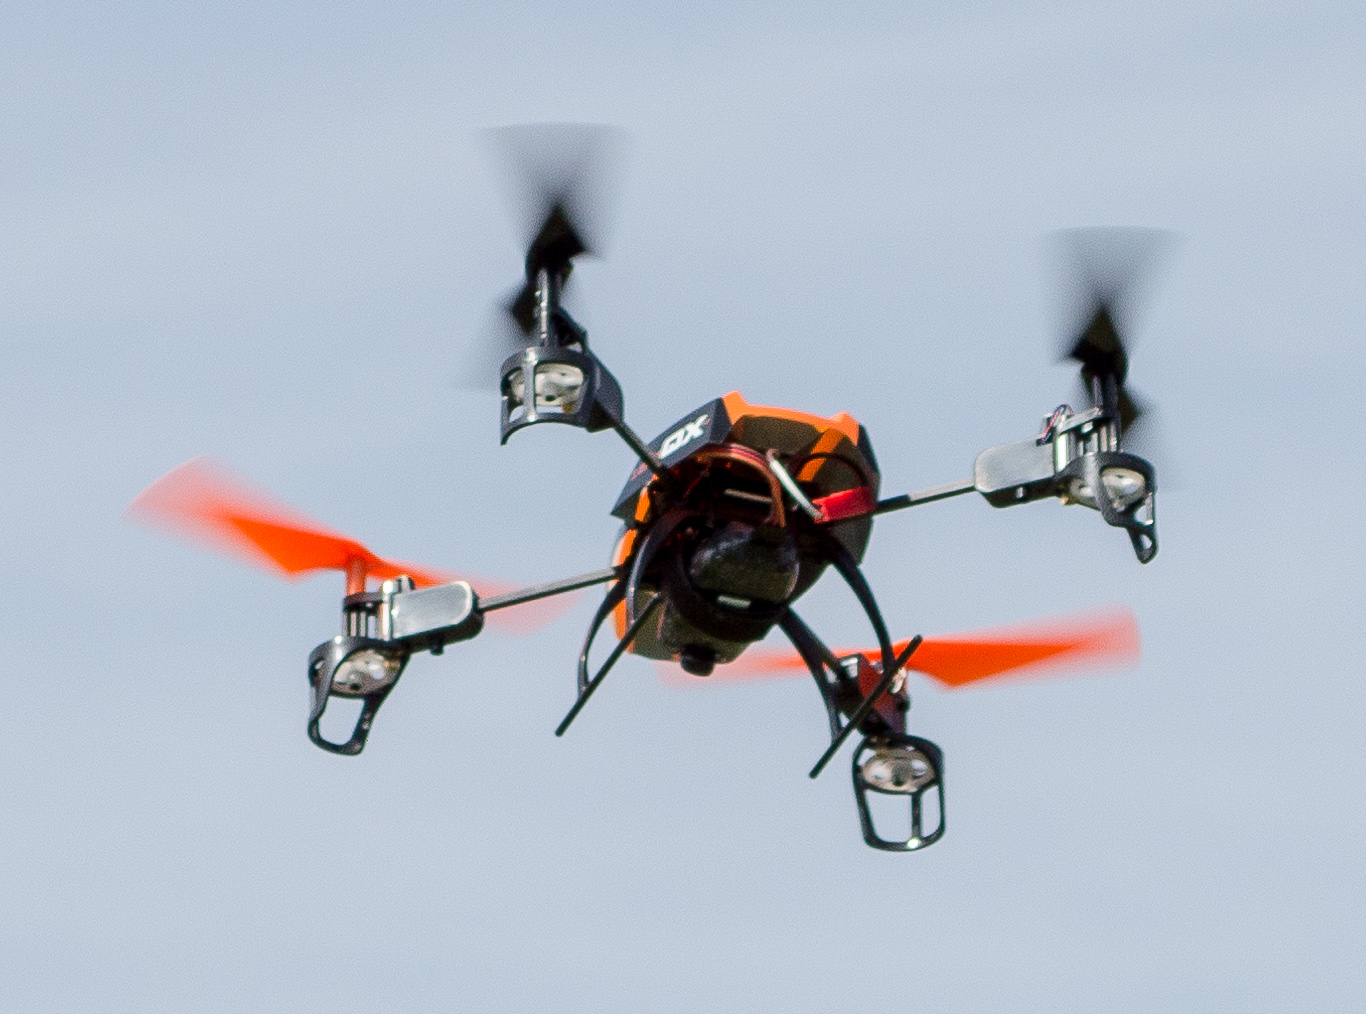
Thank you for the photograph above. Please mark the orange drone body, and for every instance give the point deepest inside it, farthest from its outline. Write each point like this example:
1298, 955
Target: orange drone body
836, 469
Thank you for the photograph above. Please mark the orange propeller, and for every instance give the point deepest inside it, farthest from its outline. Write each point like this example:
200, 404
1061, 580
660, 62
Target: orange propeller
1100, 638
201, 500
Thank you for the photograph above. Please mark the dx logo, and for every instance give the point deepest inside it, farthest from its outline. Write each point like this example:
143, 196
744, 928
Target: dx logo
685, 434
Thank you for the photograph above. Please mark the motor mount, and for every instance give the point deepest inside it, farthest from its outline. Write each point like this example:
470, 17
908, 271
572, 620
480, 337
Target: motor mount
380, 632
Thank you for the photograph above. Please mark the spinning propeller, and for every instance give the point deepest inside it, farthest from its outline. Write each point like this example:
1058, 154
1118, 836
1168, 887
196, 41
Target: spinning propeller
559, 182
1072, 642
204, 502
1107, 268
891, 762
1078, 455
558, 179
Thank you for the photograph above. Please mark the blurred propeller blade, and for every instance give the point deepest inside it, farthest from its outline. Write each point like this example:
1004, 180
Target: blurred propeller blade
1103, 270
203, 501
1110, 637
521, 310
560, 180
1132, 407
1098, 347
499, 337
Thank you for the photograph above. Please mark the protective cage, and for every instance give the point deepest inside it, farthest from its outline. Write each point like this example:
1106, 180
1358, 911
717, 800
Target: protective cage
557, 384
1128, 500
892, 749
363, 668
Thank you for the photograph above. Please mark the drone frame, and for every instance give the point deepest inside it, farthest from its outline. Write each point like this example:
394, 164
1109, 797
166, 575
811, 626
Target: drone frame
556, 377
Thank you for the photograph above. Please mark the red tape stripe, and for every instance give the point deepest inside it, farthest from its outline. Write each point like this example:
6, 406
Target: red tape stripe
849, 503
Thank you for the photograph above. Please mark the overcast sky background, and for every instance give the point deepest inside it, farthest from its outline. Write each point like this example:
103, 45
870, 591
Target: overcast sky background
267, 232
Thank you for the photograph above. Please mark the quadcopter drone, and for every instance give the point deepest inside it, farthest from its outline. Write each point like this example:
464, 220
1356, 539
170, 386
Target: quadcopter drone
728, 517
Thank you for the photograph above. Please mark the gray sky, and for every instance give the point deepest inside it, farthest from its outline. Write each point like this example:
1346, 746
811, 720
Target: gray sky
269, 234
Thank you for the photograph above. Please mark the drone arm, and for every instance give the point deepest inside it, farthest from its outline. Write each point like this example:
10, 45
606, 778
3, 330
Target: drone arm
933, 493
643, 452
1007, 474
1010, 474
382, 630
541, 591
1077, 458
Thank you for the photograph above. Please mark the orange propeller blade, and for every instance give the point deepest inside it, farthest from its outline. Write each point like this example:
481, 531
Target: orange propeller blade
203, 501
1110, 637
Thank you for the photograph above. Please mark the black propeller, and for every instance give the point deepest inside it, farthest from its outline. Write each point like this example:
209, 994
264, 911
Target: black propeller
1100, 350
560, 179
553, 249
1107, 267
